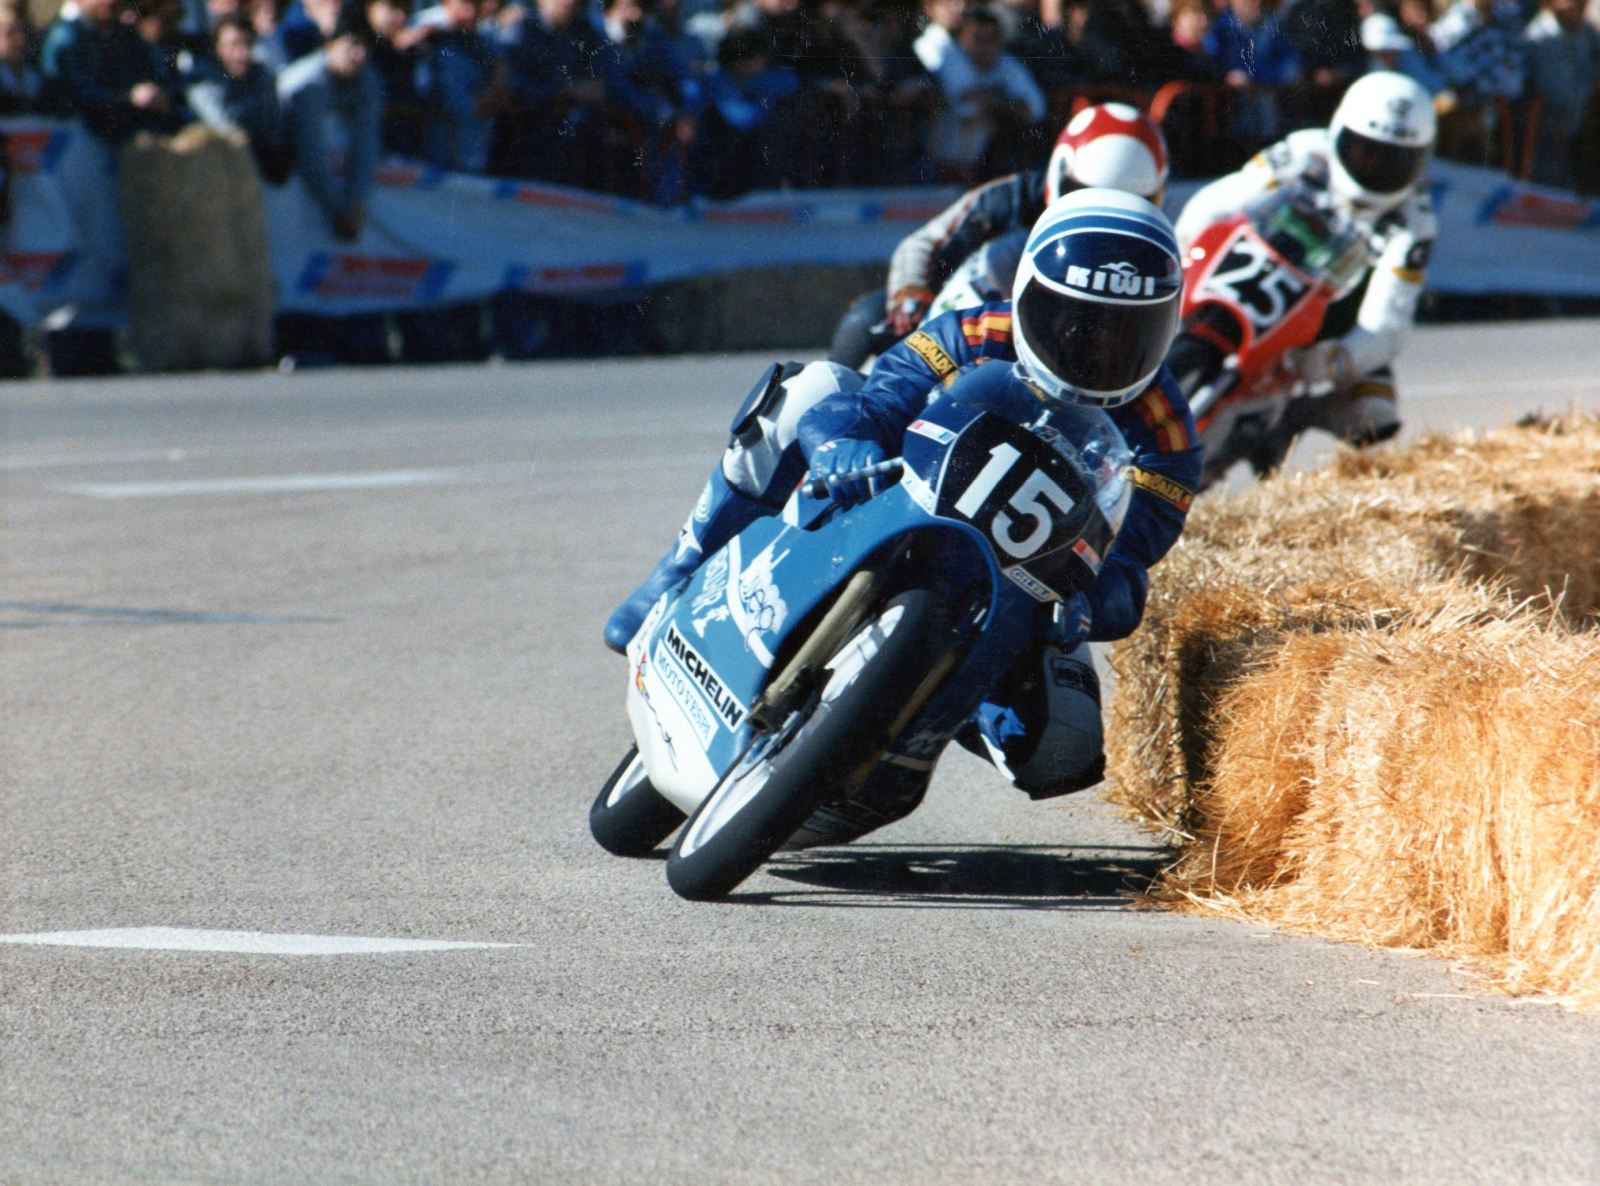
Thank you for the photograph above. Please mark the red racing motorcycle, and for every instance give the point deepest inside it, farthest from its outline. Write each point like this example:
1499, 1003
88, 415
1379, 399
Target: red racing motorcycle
1255, 287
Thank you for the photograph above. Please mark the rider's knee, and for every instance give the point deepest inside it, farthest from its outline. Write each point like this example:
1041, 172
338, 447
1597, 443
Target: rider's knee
1061, 745
767, 424
1366, 414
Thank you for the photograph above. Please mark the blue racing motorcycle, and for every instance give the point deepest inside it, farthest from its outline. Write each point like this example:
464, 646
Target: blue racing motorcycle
826, 651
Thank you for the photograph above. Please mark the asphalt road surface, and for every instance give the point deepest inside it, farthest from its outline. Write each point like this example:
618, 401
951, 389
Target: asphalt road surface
295, 665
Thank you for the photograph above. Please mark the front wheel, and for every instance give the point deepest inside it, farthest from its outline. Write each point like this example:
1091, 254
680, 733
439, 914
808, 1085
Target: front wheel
872, 685
629, 817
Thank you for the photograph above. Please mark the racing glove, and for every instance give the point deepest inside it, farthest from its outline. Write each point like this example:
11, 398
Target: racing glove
1321, 363
841, 457
907, 308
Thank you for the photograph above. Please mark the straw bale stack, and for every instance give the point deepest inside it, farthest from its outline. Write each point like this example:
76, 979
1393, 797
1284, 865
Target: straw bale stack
1434, 785
1365, 652
200, 285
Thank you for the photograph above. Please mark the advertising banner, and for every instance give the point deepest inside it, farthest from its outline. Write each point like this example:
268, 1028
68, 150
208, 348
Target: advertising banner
436, 238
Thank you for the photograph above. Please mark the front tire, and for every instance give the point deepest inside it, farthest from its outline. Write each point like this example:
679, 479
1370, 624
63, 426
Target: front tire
629, 817
819, 754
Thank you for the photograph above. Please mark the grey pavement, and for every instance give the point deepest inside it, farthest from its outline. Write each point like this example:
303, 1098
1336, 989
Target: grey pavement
317, 655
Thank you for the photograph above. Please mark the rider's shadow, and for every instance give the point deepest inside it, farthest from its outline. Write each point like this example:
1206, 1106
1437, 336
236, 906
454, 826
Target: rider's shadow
966, 877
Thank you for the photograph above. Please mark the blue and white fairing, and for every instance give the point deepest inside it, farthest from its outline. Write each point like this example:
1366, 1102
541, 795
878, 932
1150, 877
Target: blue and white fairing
1023, 512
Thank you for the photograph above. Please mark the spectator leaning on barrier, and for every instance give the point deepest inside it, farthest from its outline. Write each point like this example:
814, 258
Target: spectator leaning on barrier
460, 80
990, 99
1480, 56
333, 109
21, 84
101, 70
1255, 57
233, 90
895, 130
1562, 52
561, 73
746, 123
395, 54
658, 78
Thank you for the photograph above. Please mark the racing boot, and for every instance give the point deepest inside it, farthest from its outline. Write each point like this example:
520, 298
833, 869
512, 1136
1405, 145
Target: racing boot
721, 513
1042, 727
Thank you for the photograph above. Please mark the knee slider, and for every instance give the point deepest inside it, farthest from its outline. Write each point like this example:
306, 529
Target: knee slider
1070, 755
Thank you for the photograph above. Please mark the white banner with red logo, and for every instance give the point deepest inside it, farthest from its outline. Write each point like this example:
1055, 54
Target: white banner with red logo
436, 238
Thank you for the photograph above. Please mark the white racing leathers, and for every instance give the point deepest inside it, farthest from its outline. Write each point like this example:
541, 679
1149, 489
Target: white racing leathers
1363, 332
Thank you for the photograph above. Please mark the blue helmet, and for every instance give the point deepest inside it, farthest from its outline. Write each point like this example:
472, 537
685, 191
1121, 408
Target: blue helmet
1095, 303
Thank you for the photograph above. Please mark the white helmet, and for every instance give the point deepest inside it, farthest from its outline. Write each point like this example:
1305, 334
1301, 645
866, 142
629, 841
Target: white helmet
1382, 137
1113, 145
1095, 303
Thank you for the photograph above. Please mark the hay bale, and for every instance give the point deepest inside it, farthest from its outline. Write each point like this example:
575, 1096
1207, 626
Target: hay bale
1331, 657
1432, 785
200, 275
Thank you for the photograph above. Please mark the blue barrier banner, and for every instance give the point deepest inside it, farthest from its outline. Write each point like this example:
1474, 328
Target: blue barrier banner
436, 238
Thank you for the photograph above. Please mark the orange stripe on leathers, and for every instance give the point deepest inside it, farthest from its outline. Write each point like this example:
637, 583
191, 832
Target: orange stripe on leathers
993, 327
1159, 416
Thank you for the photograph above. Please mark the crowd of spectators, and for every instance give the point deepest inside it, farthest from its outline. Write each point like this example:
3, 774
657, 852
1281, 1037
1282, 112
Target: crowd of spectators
663, 99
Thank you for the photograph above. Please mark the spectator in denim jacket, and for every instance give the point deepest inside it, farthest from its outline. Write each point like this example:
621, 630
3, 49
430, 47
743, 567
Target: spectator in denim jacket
102, 71
21, 84
660, 87
458, 79
233, 90
562, 73
1480, 55
1562, 52
1252, 51
333, 109
1479, 49
746, 126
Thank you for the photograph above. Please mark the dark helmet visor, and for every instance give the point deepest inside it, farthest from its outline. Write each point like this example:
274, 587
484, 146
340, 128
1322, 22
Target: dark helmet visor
1378, 166
1095, 345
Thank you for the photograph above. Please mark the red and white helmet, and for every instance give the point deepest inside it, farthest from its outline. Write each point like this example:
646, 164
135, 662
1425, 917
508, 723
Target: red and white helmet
1111, 145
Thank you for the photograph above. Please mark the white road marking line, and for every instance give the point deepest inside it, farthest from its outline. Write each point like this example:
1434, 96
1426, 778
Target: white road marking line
282, 484
237, 942
1564, 387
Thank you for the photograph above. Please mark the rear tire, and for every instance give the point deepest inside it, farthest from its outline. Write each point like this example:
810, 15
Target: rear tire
629, 817
818, 755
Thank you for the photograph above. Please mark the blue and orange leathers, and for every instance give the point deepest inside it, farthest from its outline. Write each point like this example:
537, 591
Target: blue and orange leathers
974, 346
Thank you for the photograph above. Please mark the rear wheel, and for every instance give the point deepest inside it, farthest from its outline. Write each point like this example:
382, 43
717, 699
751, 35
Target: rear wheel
820, 753
629, 817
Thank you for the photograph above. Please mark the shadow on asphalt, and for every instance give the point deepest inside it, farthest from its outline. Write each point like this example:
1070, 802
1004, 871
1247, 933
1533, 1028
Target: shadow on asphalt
966, 877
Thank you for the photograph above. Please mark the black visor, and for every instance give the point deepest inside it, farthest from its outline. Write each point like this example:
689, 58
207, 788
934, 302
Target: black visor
1378, 166
1095, 346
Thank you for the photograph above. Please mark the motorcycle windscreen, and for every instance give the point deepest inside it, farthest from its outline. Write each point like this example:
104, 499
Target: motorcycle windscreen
1095, 345
1377, 165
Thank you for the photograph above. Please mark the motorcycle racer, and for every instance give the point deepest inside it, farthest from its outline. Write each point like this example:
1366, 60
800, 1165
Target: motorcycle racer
1071, 336
1112, 145
1368, 162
